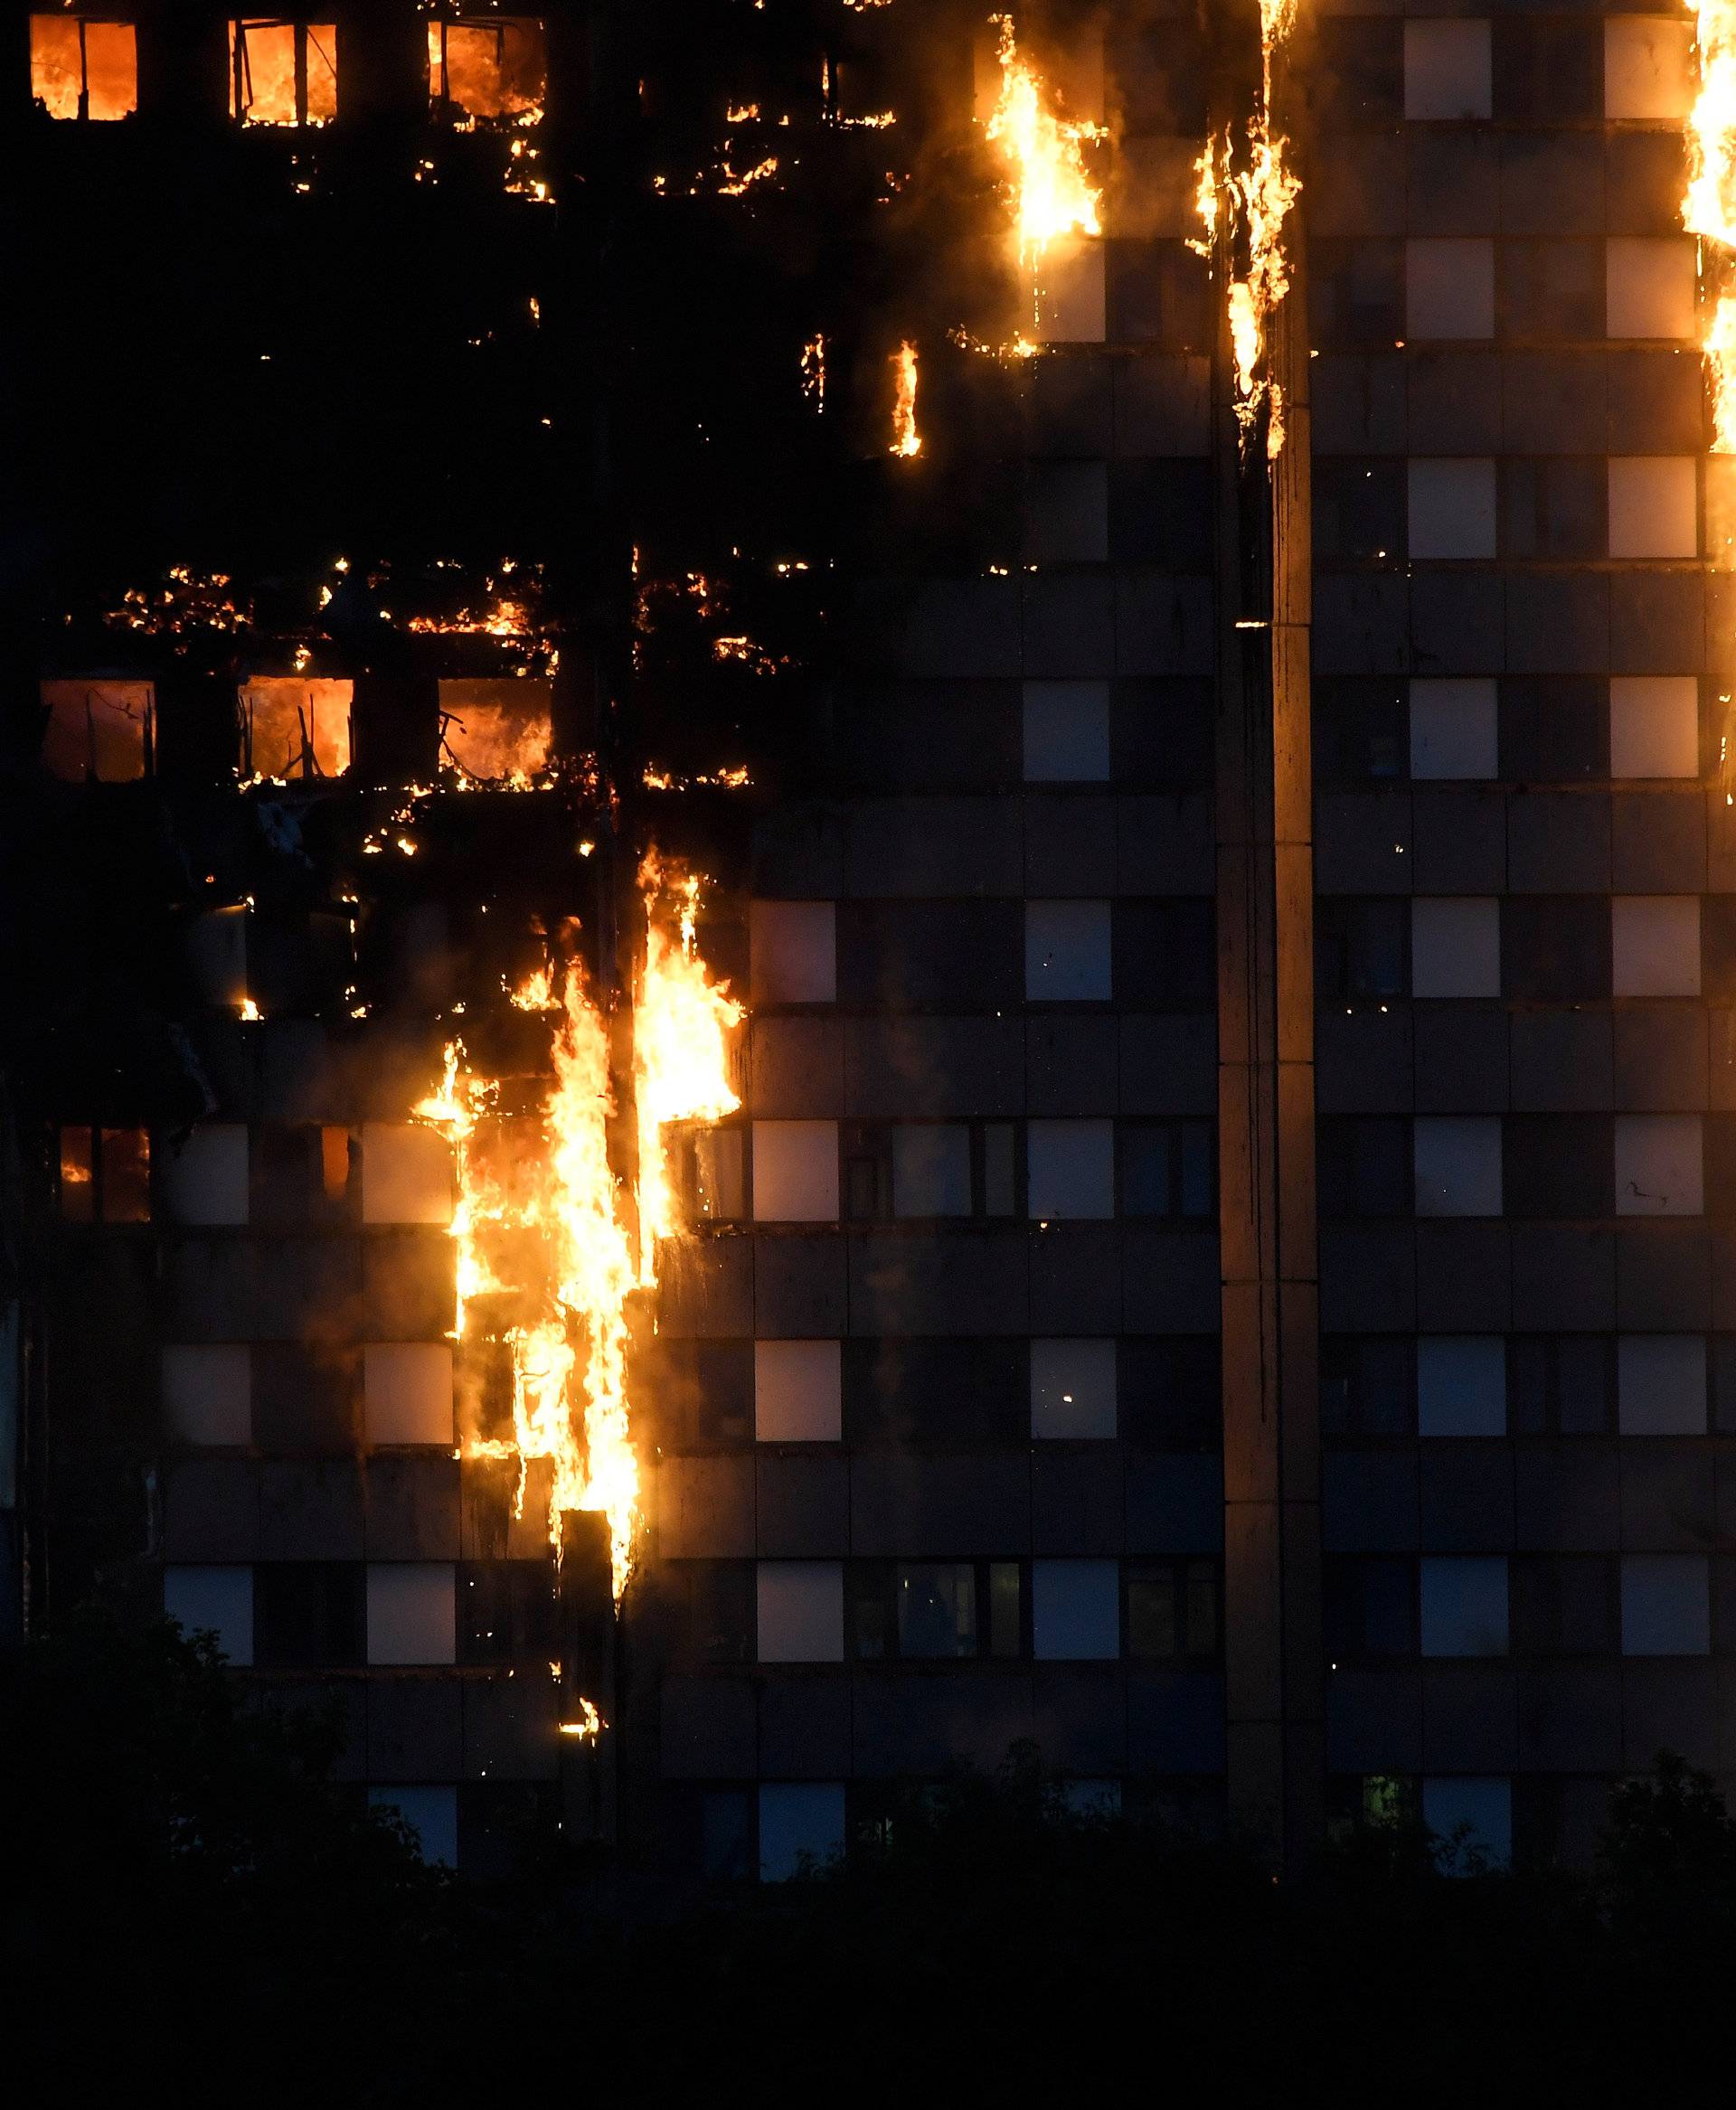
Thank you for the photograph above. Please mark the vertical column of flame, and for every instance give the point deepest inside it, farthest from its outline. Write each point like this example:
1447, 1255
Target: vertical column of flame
1052, 193
568, 1349
906, 440
1261, 193
1708, 207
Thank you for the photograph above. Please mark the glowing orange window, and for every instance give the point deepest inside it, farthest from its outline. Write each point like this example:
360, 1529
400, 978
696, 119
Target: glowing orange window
80, 67
282, 73
292, 727
105, 1175
101, 729
496, 70
497, 731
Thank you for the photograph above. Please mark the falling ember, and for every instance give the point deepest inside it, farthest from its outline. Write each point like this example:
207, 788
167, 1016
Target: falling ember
906, 440
1053, 193
1708, 207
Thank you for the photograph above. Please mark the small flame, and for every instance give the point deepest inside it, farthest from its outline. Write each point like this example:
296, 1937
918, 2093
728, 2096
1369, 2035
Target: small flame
906, 440
589, 1725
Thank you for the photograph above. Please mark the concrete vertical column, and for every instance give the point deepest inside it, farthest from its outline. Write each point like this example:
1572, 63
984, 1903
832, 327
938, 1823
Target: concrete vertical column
1269, 1302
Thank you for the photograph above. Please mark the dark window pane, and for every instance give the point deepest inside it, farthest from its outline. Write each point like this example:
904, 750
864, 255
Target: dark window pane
937, 1609
308, 1615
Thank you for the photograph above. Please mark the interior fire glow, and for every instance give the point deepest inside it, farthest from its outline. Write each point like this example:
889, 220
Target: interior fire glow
1708, 207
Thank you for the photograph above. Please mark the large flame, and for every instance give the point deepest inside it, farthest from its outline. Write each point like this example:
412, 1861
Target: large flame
543, 1225
1709, 207
1053, 192
906, 440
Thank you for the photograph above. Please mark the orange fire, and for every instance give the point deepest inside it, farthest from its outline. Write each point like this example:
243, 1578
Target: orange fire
1053, 192
906, 440
544, 1225
262, 73
83, 69
1709, 208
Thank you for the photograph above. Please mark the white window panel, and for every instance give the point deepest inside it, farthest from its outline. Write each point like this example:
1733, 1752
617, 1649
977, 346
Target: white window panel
1462, 1385
1451, 507
1473, 1814
931, 1169
1067, 952
219, 1599
1653, 725
204, 1177
1447, 72
1070, 1169
406, 1173
798, 1391
1659, 1166
1066, 732
1647, 68
407, 1391
801, 1824
1075, 1611
795, 1171
1455, 947
1653, 505
794, 950
1655, 945
1458, 1164
412, 1612
1665, 1605
1450, 289
1649, 287
1661, 1384
1072, 1389
1453, 730
208, 1393
800, 1611
431, 1813
1463, 1603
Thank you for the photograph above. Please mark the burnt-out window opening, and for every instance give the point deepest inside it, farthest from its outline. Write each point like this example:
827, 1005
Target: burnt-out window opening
83, 66
708, 1168
105, 1175
101, 731
282, 73
292, 728
496, 68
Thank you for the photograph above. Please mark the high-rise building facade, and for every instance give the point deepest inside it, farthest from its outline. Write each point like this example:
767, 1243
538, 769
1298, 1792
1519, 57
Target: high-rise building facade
1197, 720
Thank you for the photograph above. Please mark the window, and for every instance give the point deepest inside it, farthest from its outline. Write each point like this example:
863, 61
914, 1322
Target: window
935, 1610
795, 1171
1462, 1605
798, 1391
707, 1171
1166, 1168
1362, 948
1067, 952
204, 1177
1656, 944
1661, 1384
1665, 1605
800, 1611
1565, 1607
794, 949
407, 1392
704, 1391
1067, 512
101, 731
507, 1613
1169, 1392
1453, 728
712, 1604
1461, 1385
1075, 1610
1659, 1165
1454, 947
1450, 289
207, 1395
303, 1400
1452, 508
283, 73
1653, 725
1364, 1166
1654, 506
308, 1615
726, 1835
406, 1175
927, 1395
1173, 1611
1447, 72
498, 732
430, 1813
931, 1169
1366, 1386
1070, 1169
1066, 732
1647, 68
1072, 1389
1067, 297
801, 1826
1562, 1384
217, 1600
1457, 1160
105, 1175
411, 1612
80, 67
1473, 1815
495, 69
1649, 288
1371, 1610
